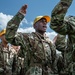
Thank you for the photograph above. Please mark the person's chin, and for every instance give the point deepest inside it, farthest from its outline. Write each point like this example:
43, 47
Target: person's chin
44, 31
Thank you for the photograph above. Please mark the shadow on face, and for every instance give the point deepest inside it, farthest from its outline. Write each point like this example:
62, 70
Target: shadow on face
41, 25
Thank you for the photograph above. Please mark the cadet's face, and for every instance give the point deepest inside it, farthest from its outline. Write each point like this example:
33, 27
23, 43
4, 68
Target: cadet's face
41, 25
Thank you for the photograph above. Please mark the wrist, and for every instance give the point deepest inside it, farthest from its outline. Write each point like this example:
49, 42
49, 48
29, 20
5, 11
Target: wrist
22, 13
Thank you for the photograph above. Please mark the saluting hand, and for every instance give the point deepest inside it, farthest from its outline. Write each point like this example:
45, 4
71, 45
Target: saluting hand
23, 9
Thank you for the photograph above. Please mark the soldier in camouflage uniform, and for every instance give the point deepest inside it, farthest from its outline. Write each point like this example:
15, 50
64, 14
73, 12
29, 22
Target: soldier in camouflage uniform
7, 54
38, 51
60, 42
17, 68
66, 26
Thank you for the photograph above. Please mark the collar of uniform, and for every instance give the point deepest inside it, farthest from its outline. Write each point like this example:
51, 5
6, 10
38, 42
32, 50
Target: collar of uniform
42, 36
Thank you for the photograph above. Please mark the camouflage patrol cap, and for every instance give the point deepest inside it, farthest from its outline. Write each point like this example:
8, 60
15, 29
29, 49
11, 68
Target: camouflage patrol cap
2, 32
40, 17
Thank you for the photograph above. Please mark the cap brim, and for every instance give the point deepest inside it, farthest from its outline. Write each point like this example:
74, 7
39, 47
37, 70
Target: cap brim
2, 32
47, 18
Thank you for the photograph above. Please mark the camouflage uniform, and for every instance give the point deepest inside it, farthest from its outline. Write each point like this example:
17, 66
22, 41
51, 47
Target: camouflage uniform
60, 42
19, 69
6, 60
61, 45
37, 50
65, 26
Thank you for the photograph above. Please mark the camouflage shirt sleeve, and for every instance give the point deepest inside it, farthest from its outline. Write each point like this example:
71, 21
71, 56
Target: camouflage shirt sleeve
61, 43
12, 27
58, 23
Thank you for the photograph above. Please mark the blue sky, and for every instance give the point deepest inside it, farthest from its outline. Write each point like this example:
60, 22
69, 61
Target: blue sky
8, 8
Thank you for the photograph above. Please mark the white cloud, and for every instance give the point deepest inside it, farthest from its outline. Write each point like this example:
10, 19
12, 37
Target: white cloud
24, 21
4, 19
26, 30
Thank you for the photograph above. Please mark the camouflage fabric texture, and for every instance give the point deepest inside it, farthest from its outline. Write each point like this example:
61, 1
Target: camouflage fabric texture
61, 44
65, 26
6, 60
58, 23
38, 51
17, 66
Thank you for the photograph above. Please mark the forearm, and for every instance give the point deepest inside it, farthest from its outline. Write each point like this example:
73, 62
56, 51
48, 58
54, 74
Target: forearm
57, 16
60, 43
12, 26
